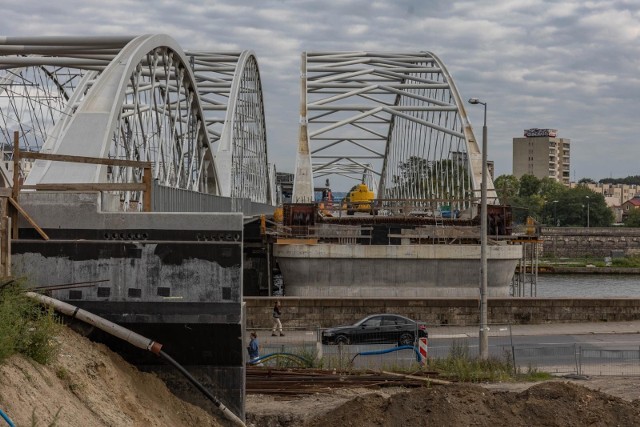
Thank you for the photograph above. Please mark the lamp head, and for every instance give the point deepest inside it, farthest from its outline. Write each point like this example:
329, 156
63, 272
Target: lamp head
474, 101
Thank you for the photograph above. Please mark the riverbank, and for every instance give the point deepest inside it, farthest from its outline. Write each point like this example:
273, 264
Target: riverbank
547, 269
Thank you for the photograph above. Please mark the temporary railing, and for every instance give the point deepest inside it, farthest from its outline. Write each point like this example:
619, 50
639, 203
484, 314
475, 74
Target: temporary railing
431, 208
458, 342
144, 186
343, 234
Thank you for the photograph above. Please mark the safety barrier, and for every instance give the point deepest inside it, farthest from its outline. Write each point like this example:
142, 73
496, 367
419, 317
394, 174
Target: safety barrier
451, 341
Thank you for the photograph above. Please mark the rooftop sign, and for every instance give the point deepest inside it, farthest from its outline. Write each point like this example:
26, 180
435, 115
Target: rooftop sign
529, 133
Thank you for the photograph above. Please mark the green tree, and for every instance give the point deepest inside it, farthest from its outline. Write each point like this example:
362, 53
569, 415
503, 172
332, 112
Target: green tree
411, 173
529, 185
635, 179
442, 179
574, 207
633, 218
550, 189
529, 201
586, 181
507, 188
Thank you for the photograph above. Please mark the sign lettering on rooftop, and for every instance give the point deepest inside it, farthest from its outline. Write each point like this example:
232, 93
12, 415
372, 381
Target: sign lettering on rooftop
529, 133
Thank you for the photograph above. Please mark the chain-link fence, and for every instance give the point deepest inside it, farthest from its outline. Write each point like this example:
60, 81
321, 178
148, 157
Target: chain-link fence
579, 359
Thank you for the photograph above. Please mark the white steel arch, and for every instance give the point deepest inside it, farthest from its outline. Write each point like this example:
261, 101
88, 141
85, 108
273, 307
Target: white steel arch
133, 98
230, 90
396, 116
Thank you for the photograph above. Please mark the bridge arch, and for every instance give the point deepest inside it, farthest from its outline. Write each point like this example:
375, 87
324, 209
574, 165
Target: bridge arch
140, 98
393, 120
230, 88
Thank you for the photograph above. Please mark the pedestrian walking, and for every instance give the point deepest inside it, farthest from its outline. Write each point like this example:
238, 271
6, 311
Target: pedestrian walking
277, 324
254, 349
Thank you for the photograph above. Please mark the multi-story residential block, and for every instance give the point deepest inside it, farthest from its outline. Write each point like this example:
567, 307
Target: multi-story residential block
542, 154
614, 194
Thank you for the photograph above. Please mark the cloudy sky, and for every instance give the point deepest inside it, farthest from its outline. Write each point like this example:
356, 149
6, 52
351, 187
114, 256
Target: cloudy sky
568, 65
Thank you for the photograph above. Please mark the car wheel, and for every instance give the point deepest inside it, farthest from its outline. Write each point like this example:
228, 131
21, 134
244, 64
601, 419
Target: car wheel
342, 339
406, 339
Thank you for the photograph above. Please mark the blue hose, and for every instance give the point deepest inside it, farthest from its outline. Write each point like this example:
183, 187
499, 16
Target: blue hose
389, 350
7, 419
298, 359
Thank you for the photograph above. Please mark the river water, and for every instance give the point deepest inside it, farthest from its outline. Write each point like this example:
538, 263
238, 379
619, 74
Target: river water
588, 285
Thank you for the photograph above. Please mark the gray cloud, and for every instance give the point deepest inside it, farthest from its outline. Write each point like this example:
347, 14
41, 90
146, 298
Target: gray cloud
570, 65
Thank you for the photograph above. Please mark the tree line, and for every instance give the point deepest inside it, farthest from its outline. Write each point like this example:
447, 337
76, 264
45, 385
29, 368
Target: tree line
550, 202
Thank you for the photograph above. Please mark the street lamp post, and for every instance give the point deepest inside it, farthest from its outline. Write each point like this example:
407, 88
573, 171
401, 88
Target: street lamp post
587, 211
555, 216
484, 330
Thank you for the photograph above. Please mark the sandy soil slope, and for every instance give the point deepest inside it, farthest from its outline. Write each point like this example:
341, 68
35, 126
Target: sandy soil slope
90, 386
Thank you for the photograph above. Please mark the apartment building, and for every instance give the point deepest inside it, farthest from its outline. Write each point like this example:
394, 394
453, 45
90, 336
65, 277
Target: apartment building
614, 194
542, 154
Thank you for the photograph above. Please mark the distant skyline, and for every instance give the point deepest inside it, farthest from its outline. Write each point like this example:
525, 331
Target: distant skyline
573, 66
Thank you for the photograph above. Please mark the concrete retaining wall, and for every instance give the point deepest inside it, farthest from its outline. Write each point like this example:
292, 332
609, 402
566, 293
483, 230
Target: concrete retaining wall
324, 312
173, 277
574, 242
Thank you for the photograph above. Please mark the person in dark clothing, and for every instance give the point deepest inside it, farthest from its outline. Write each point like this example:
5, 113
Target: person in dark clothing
277, 324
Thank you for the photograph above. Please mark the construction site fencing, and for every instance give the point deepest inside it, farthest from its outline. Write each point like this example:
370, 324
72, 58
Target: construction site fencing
382, 342
384, 353
579, 359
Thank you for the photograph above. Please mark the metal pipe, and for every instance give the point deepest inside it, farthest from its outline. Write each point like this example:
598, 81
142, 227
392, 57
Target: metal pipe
68, 40
134, 339
99, 322
225, 411
484, 329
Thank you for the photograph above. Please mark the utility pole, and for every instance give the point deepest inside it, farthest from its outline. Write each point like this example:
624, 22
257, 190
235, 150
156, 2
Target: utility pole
588, 200
484, 329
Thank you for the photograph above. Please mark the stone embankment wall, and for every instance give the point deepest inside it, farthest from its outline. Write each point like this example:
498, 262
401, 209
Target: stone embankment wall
312, 313
572, 242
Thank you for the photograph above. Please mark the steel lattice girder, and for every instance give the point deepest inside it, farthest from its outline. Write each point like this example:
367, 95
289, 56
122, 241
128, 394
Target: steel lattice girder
396, 117
231, 94
126, 97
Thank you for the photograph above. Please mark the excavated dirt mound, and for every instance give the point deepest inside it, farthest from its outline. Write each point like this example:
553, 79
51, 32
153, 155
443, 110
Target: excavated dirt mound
90, 386
546, 404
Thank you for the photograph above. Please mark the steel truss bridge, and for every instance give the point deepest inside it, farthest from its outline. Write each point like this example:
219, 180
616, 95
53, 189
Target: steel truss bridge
394, 121
196, 116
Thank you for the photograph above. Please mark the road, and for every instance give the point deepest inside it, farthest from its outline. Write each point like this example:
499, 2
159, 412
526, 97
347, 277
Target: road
551, 347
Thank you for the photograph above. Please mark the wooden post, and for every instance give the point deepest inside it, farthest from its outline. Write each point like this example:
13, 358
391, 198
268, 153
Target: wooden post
5, 246
146, 196
15, 192
5, 233
16, 166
